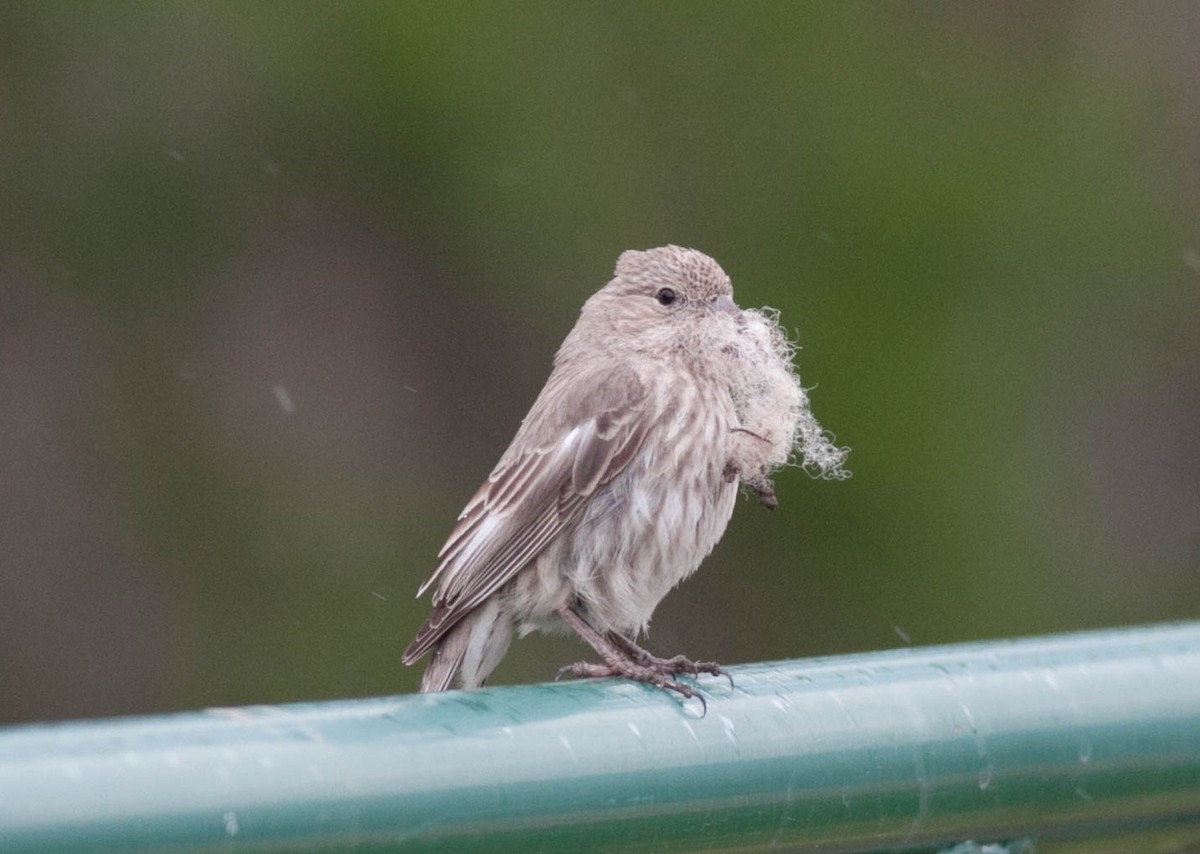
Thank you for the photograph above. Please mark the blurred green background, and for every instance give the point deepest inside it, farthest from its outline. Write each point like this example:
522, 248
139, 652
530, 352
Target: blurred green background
279, 281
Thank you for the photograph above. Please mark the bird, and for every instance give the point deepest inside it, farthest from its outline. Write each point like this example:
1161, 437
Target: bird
621, 478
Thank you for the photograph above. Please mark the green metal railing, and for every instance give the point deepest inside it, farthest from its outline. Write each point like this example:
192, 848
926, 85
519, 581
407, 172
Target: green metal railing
1052, 742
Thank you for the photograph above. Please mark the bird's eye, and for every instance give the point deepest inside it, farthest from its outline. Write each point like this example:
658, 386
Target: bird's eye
665, 296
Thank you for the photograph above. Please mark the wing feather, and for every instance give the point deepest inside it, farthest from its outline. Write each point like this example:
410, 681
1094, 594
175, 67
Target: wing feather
533, 496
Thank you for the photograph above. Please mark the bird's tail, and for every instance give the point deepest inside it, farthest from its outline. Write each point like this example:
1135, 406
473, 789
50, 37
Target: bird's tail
446, 658
472, 647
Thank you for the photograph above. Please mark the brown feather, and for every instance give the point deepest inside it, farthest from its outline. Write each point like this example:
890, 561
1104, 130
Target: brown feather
532, 496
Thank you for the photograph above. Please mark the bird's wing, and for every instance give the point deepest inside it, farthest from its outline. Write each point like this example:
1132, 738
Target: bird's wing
538, 490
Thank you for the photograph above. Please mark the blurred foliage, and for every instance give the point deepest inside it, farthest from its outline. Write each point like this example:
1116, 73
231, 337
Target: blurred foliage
278, 282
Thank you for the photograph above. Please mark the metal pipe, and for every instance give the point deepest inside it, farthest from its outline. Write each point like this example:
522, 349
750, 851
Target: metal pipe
1055, 738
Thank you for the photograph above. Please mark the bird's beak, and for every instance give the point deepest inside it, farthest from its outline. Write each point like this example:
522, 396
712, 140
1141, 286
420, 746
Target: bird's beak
725, 304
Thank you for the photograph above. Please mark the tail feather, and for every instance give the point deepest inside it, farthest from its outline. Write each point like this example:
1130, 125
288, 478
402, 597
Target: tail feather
446, 659
429, 636
472, 647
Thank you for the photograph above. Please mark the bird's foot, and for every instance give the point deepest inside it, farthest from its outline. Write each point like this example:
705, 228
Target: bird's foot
622, 657
675, 665
678, 664
628, 669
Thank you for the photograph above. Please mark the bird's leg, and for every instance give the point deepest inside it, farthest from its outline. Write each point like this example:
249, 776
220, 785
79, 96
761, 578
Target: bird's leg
674, 665
617, 661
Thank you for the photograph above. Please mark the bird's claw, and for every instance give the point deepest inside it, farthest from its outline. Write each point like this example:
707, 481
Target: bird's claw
675, 665
679, 664
651, 675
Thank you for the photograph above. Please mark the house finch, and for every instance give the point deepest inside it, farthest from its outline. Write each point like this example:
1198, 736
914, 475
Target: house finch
623, 475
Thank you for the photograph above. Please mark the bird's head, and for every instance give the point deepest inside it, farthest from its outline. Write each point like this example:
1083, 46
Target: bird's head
664, 301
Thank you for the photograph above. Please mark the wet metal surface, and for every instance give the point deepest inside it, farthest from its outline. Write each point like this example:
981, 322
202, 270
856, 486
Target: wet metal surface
915, 749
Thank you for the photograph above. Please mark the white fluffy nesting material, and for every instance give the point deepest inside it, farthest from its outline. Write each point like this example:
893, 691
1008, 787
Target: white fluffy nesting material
777, 427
